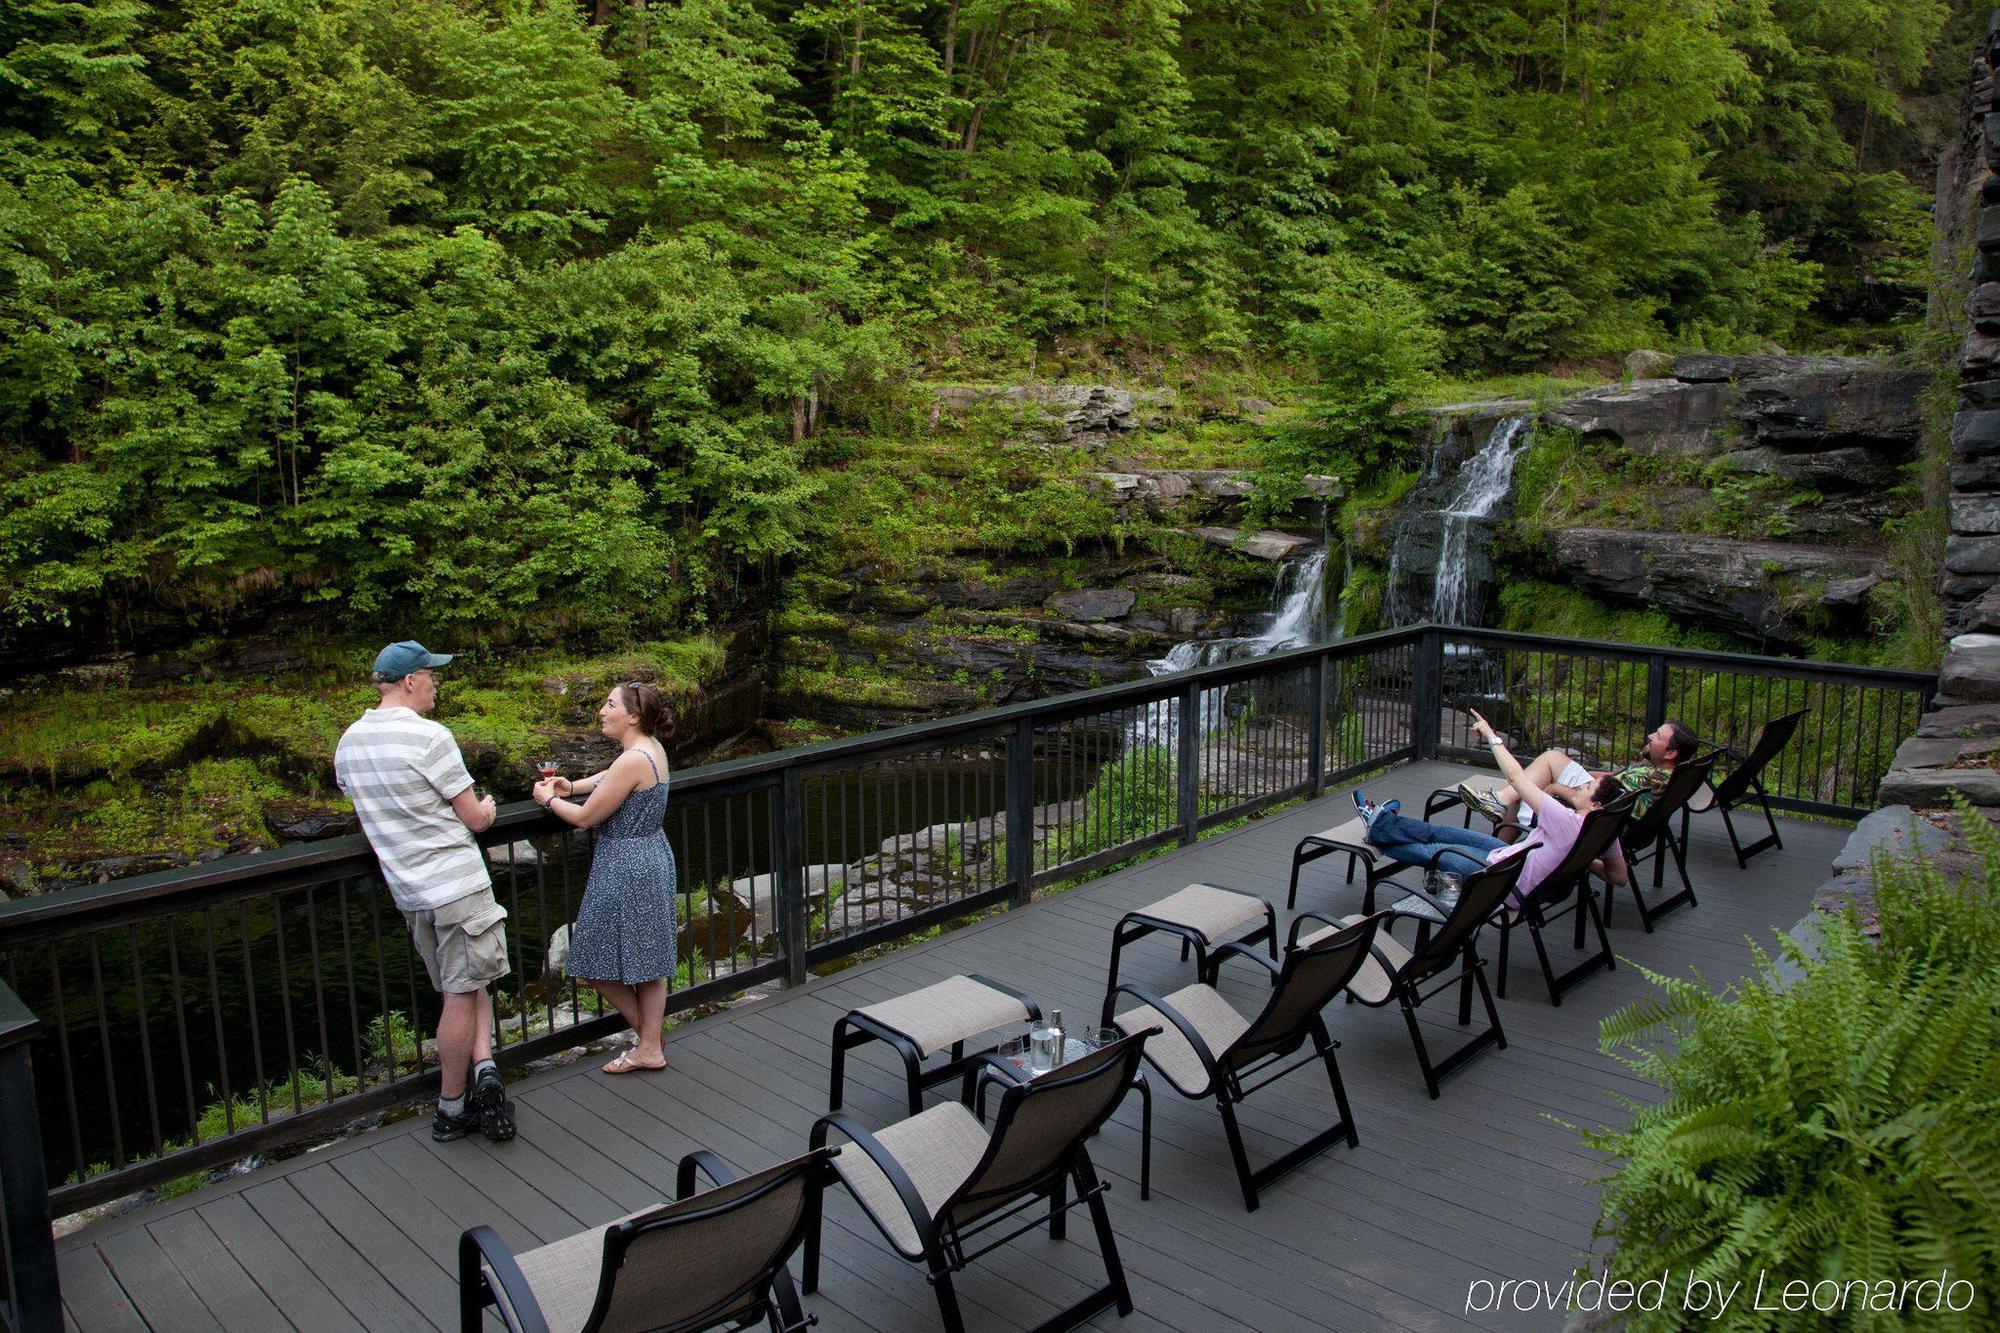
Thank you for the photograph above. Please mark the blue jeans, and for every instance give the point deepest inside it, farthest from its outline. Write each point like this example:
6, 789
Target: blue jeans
1414, 842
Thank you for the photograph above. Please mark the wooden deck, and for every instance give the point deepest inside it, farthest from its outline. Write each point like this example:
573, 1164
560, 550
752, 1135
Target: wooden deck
1479, 1185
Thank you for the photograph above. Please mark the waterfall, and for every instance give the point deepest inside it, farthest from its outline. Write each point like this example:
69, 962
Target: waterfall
1346, 589
1299, 603
1484, 484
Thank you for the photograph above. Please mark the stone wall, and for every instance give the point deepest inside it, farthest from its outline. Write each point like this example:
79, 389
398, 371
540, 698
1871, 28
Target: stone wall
1955, 745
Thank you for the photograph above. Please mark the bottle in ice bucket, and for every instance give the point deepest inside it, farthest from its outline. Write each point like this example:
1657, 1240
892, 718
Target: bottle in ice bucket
1042, 1048
1055, 1038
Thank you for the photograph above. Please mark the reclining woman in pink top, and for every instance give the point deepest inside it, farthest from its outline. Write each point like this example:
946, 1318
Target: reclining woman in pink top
1557, 824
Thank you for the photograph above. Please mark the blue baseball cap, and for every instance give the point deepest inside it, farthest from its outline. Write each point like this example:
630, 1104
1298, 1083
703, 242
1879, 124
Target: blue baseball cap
400, 659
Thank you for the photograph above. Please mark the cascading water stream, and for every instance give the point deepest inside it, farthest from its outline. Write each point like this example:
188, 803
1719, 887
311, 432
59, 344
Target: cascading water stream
1300, 603
1485, 482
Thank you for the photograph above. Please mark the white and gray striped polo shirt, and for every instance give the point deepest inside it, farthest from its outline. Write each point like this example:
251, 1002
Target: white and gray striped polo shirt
401, 771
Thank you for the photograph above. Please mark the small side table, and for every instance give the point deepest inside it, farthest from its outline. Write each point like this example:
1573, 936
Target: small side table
1201, 915
1016, 1069
924, 1022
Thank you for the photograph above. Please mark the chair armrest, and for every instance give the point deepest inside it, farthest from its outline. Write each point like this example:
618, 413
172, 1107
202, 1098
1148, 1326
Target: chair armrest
1236, 949
885, 1161
1027, 1001
1173, 1015
482, 1246
1442, 798
718, 1172
1318, 918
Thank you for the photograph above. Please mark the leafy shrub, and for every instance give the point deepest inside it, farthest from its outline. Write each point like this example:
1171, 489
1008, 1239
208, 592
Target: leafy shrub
1833, 1126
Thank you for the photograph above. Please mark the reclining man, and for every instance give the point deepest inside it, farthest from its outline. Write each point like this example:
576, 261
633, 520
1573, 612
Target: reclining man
1558, 822
1557, 773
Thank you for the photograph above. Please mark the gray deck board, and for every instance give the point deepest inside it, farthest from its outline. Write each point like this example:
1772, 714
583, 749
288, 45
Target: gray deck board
1480, 1184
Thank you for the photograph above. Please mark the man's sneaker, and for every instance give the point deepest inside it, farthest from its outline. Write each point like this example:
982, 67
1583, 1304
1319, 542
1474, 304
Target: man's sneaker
445, 1127
493, 1113
1360, 801
1483, 800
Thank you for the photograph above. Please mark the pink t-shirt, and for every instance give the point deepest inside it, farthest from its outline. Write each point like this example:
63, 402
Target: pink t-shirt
1556, 830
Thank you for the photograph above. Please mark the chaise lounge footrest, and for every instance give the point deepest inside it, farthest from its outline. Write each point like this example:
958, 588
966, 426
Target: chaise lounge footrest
920, 1024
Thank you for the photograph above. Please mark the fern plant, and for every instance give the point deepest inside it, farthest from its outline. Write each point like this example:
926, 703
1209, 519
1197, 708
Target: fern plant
1834, 1119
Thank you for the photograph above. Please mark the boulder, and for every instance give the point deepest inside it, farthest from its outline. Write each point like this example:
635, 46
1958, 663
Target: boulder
1962, 721
1089, 604
1975, 513
1929, 787
1981, 614
1979, 358
1972, 555
1263, 545
1646, 364
1849, 594
1983, 306
1065, 410
1823, 469
1975, 434
1223, 483
1254, 407
521, 855
1736, 586
21, 880
1970, 675
1652, 416
1854, 400
1894, 829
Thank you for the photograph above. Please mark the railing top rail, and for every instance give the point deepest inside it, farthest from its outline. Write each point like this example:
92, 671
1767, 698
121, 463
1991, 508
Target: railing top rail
1747, 662
17, 1022
333, 858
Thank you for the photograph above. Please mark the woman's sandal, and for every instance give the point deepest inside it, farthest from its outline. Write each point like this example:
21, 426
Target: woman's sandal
623, 1063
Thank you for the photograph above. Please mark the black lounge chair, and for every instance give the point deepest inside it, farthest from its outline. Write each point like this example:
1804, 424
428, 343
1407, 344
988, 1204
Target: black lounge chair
1444, 953
1744, 782
1651, 837
939, 1179
706, 1260
1209, 1049
1564, 891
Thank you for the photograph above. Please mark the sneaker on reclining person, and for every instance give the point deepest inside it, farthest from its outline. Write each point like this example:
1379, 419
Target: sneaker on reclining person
1483, 799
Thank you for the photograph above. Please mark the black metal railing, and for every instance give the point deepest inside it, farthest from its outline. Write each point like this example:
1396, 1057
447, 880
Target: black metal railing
28, 1297
200, 1016
1601, 699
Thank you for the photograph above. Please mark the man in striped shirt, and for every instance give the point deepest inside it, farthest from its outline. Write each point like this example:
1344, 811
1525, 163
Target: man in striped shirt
418, 807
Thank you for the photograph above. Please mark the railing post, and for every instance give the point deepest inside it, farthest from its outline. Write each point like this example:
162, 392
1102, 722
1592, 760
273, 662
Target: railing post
1656, 689
1427, 694
1021, 810
34, 1301
1316, 719
1187, 761
788, 875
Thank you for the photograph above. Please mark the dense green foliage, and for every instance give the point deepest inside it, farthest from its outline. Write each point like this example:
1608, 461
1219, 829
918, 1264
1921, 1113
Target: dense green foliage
522, 316
1835, 1126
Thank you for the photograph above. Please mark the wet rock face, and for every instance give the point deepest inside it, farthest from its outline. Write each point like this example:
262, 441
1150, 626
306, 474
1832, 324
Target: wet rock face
1831, 422
1758, 590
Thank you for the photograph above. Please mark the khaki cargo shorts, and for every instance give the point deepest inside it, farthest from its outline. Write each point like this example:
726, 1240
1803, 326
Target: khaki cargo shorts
463, 943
